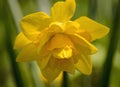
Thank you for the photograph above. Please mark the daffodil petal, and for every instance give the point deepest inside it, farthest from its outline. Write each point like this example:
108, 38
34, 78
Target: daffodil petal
21, 41
44, 38
50, 72
43, 61
28, 53
83, 44
72, 27
63, 11
32, 24
84, 64
95, 29
56, 27
65, 65
85, 35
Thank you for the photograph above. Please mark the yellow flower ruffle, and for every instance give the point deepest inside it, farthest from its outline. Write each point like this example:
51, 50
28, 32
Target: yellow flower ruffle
57, 43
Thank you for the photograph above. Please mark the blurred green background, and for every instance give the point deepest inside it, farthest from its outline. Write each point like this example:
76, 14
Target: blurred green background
106, 63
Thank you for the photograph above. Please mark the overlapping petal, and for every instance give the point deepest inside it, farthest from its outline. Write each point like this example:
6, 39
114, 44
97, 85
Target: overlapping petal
72, 27
21, 41
84, 64
43, 38
32, 24
65, 65
63, 11
85, 35
28, 53
83, 45
43, 60
50, 72
95, 29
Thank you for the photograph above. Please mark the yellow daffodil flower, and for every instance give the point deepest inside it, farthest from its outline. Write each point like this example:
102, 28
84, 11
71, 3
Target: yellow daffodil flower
56, 43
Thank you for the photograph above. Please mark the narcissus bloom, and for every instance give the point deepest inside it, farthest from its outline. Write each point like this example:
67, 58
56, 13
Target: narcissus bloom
56, 43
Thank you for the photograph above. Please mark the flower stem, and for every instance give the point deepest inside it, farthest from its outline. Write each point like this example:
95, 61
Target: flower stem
8, 20
65, 80
112, 49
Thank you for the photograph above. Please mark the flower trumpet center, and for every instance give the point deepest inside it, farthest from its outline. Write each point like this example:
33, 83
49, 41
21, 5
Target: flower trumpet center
62, 53
61, 46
